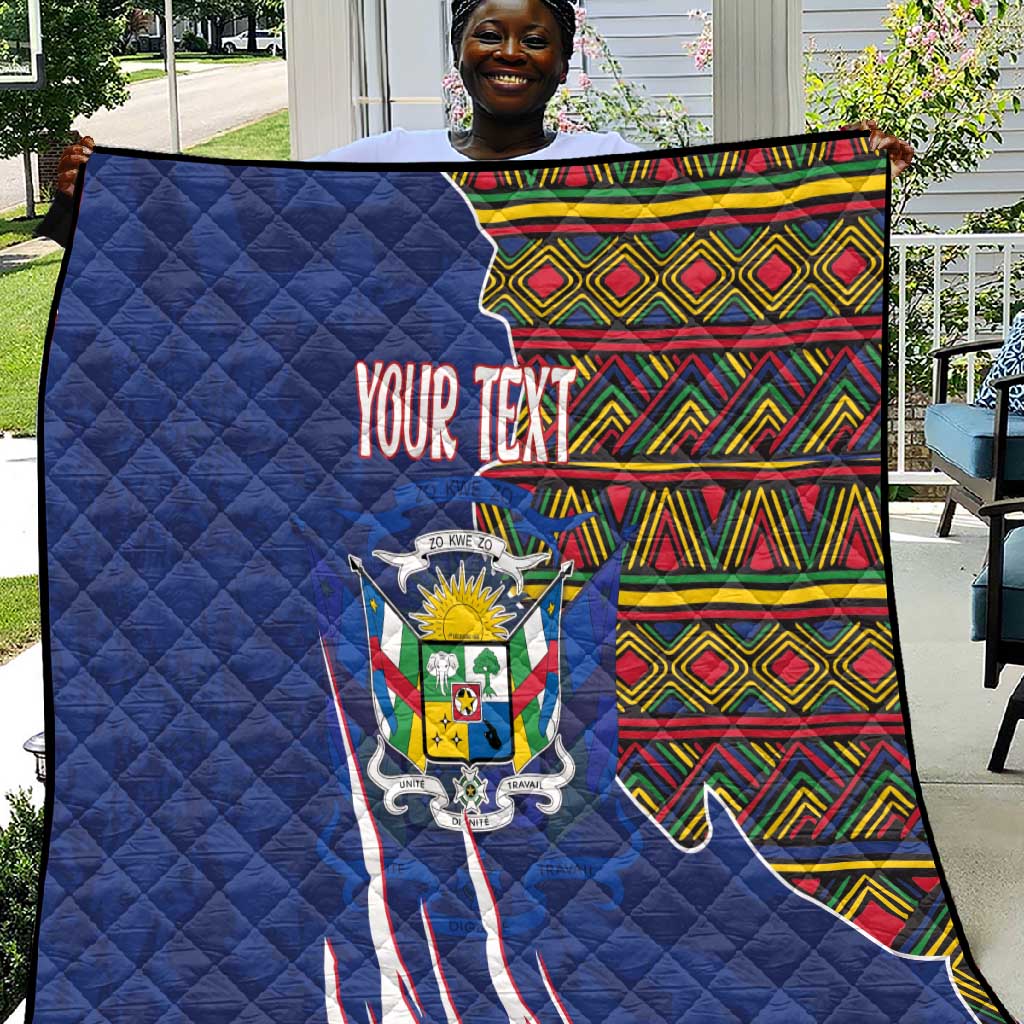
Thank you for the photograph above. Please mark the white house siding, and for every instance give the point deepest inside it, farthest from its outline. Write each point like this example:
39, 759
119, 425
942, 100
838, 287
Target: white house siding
652, 49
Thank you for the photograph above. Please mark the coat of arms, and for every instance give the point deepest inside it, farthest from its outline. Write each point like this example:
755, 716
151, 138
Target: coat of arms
464, 685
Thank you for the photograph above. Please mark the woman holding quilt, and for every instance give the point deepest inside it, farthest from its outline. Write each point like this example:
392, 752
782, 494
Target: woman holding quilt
512, 56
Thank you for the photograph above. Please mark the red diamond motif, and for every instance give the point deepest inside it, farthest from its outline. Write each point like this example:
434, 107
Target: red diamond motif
698, 276
774, 272
790, 667
622, 280
709, 667
879, 923
849, 265
631, 668
545, 281
872, 665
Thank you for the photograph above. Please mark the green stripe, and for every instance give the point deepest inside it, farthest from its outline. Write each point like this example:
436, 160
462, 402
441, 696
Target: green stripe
518, 659
409, 656
666, 191
761, 579
535, 740
402, 735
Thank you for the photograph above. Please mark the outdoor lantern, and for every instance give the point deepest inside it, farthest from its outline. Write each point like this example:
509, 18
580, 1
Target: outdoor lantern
37, 745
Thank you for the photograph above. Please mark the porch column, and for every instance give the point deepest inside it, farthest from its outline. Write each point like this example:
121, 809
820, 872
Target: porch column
758, 69
319, 75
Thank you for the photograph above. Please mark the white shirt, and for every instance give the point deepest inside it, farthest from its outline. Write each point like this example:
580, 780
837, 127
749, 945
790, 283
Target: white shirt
405, 147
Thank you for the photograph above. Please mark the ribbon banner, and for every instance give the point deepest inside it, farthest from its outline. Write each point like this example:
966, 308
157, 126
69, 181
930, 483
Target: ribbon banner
547, 788
466, 542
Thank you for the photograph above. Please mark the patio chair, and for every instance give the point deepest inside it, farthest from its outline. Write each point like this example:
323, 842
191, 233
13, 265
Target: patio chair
998, 614
983, 451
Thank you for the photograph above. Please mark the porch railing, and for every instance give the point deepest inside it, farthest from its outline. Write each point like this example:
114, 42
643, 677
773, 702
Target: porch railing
972, 265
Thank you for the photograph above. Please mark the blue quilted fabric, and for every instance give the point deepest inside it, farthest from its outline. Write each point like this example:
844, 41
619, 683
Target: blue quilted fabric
203, 490
1009, 362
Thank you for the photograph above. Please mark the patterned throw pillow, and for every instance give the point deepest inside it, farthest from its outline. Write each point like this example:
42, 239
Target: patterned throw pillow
1010, 360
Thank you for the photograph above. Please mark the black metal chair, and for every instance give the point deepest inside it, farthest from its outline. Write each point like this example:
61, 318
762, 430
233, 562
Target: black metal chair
982, 450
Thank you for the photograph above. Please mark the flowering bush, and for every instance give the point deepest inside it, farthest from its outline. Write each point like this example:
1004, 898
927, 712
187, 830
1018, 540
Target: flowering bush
703, 49
936, 84
621, 105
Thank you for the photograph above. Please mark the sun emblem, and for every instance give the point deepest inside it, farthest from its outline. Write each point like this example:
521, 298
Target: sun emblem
461, 609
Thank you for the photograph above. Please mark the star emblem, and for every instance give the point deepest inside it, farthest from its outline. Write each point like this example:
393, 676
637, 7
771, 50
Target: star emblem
444, 722
457, 740
470, 789
373, 603
437, 741
551, 608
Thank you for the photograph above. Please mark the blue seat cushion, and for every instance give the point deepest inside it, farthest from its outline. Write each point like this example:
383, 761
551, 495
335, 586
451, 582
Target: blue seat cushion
963, 435
1013, 592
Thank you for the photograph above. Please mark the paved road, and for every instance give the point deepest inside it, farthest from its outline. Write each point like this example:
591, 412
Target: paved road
210, 103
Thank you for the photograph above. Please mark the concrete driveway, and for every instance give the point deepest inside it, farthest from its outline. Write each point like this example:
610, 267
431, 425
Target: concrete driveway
212, 102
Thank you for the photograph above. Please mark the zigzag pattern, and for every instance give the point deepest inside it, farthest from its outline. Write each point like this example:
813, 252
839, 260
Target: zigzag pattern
723, 313
755, 669
737, 274
776, 531
812, 401
850, 787
715, 166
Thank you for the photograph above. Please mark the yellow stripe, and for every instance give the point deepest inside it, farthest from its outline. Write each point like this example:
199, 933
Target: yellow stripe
696, 204
720, 594
853, 865
661, 467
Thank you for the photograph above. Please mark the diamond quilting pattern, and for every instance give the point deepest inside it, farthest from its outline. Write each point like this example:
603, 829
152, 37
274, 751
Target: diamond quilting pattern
210, 643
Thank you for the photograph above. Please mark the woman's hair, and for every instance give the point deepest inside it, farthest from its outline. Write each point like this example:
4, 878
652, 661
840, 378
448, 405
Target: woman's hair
563, 10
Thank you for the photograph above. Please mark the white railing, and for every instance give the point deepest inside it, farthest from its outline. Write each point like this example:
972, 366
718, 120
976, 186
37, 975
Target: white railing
987, 261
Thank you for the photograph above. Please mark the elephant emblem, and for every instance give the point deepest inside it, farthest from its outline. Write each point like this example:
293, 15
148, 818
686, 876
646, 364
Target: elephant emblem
442, 665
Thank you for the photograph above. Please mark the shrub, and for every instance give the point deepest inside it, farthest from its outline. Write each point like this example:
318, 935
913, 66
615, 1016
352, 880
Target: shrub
21, 849
191, 42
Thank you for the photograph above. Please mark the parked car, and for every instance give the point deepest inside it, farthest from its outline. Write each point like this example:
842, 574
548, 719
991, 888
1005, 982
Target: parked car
265, 40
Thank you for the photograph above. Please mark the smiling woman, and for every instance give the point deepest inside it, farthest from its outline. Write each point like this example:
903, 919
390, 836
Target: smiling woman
512, 56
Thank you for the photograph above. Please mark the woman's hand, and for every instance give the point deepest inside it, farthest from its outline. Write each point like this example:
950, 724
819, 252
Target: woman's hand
71, 159
901, 154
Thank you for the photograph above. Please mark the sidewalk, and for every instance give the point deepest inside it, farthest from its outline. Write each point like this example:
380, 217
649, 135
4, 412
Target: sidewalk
19, 554
21, 680
15, 256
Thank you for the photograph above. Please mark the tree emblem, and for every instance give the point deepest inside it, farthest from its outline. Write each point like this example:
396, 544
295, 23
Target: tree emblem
486, 665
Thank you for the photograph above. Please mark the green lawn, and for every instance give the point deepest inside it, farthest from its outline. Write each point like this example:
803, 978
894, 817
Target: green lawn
147, 73
25, 297
15, 227
210, 58
266, 139
19, 615
26, 293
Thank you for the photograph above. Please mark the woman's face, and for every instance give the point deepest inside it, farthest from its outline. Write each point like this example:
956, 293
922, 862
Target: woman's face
511, 58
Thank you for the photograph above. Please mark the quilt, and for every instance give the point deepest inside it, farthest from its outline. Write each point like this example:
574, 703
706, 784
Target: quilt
468, 599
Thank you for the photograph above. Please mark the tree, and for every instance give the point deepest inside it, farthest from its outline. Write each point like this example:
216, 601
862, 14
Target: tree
936, 84
81, 77
486, 665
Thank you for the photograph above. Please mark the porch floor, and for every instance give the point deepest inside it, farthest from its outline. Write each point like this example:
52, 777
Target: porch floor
977, 817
